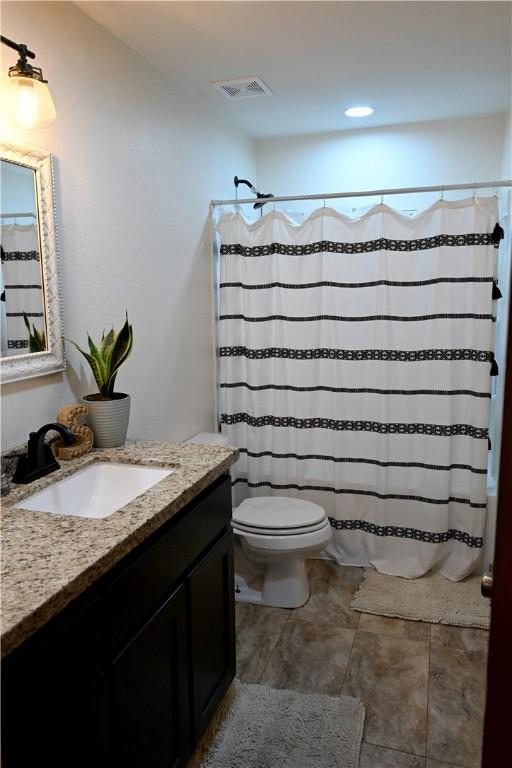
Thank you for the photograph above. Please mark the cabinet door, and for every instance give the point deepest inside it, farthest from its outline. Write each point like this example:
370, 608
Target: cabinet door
54, 698
150, 679
212, 614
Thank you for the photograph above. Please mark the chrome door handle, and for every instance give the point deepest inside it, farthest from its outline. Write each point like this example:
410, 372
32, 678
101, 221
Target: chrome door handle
486, 583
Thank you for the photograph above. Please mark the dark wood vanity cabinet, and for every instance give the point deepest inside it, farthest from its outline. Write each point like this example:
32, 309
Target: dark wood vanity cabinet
131, 673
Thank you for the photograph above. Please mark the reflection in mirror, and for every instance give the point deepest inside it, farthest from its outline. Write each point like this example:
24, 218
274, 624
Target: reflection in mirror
23, 324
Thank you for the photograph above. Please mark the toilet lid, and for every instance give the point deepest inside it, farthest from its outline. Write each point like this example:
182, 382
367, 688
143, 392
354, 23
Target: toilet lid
277, 512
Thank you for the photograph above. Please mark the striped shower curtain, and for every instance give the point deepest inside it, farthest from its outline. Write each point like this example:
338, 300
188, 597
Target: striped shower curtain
354, 371
21, 286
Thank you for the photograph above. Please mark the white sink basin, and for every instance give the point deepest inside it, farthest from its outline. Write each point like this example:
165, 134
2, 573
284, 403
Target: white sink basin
97, 491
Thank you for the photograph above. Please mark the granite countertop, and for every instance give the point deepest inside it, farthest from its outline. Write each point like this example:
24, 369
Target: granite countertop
48, 559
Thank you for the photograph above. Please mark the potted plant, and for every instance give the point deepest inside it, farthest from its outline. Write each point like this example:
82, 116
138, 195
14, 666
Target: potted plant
108, 411
36, 338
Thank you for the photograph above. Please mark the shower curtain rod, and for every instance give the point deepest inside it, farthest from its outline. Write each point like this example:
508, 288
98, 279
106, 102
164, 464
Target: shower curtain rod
16, 215
372, 192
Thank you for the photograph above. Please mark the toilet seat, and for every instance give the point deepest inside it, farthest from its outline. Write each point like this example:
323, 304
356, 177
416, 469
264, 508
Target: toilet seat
278, 515
238, 527
281, 524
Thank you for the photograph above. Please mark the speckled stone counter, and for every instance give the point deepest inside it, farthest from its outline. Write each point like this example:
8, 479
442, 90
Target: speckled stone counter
48, 559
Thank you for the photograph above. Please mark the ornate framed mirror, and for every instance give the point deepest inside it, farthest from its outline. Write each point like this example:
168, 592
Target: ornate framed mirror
31, 326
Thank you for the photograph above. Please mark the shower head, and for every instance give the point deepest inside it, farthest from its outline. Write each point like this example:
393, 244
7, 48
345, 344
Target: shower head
262, 198
237, 182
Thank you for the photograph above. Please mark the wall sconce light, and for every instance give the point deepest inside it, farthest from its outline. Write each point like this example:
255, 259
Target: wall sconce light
28, 102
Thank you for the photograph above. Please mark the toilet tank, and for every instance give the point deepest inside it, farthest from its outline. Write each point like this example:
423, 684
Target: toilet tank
208, 438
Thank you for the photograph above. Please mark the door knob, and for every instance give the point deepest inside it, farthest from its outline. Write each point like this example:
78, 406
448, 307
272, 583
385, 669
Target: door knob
486, 583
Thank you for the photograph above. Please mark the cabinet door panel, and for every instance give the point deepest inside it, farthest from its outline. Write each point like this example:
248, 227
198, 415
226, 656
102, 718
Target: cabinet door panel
55, 699
150, 690
211, 590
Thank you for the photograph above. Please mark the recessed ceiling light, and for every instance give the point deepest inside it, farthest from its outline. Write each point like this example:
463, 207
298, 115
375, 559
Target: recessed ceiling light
359, 111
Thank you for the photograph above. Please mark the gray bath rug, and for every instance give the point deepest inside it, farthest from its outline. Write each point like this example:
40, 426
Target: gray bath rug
266, 728
431, 598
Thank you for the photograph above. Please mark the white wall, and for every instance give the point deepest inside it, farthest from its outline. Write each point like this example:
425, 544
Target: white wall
507, 148
137, 159
419, 154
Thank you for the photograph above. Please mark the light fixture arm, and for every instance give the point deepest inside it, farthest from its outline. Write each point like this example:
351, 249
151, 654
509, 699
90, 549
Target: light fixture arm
22, 67
22, 49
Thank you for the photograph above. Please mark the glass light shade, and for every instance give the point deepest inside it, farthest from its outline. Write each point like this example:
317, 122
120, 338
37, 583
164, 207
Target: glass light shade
28, 103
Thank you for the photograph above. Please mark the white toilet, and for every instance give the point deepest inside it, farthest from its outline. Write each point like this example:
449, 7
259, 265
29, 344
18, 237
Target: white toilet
273, 537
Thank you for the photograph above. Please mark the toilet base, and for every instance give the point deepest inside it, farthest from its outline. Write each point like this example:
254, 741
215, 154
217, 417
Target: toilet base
246, 593
285, 585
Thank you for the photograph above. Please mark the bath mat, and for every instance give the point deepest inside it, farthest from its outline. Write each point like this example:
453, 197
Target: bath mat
431, 598
265, 728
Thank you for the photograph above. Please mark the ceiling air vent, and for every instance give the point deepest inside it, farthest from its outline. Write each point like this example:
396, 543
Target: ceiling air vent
243, 88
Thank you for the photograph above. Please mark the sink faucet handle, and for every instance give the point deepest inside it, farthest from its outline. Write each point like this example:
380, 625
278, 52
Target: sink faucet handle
40, 460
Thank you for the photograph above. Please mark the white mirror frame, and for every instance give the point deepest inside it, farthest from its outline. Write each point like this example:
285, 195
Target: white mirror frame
29, 365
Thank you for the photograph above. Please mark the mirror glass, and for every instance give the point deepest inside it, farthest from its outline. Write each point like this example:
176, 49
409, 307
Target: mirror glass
23, 317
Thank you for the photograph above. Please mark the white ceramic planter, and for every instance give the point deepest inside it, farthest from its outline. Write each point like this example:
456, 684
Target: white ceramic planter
108, 420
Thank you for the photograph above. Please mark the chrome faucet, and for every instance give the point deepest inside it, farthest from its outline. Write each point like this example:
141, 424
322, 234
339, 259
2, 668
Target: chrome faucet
39, 460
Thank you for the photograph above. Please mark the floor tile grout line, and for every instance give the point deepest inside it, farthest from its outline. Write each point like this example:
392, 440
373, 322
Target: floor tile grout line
274, 647
351, 648
348, 661
317, 623
428, 694
398, 751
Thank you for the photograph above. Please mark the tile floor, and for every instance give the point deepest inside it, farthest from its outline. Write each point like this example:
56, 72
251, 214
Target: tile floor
423, 685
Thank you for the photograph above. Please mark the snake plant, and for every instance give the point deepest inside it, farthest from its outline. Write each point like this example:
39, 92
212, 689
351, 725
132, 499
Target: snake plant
36, 339
107, 357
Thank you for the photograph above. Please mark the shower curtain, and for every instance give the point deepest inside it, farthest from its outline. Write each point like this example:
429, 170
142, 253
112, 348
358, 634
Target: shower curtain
21, 285
354, 371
